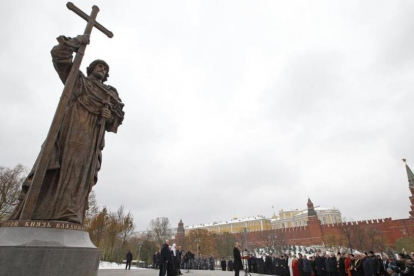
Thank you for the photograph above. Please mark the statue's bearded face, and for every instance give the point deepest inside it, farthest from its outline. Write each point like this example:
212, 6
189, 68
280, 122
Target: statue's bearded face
100, 71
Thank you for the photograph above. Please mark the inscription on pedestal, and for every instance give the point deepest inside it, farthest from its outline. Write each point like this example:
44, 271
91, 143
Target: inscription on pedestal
44, 224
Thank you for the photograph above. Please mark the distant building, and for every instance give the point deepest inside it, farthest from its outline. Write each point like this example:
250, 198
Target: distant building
295, 218
258, 223
313, 226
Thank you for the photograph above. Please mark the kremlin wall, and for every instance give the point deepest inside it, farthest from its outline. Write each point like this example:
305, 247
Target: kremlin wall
352, 234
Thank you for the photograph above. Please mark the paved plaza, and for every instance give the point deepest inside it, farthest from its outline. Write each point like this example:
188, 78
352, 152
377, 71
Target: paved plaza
153, 272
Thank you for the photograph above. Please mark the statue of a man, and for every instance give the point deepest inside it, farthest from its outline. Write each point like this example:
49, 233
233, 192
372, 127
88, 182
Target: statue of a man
73, 168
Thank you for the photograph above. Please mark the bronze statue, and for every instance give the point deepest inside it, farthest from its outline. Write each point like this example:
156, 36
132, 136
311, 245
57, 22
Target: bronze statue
72, 169
47, 223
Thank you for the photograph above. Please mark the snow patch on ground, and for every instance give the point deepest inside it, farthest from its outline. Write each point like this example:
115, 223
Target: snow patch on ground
108, 265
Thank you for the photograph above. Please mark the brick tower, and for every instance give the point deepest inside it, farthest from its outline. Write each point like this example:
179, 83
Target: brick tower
179, 238
410, 176
314, 225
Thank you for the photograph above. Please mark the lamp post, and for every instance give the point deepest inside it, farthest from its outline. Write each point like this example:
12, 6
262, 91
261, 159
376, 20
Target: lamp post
272, 240
197, 240
139, 251
245, 237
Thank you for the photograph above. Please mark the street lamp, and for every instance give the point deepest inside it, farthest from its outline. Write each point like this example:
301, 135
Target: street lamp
272, 240
245, 237
139, 252
197, 240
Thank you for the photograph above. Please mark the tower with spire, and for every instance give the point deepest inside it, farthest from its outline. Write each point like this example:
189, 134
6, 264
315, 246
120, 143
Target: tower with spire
410, 176
179, 238
311, 210
314, 224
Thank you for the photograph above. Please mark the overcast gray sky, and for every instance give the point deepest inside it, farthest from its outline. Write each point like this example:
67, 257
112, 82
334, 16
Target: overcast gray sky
232, 107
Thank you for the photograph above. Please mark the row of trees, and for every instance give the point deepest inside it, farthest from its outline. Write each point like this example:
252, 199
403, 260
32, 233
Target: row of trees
356, 236
10, 185
198, 241
207, 243
111, 231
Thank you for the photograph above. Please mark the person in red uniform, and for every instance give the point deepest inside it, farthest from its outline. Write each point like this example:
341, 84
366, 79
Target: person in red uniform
295, 266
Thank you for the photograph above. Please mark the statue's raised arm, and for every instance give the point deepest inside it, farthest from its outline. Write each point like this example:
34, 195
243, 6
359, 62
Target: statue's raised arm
62, 54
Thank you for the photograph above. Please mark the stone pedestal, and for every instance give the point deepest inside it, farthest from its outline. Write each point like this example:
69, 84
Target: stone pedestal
46, 248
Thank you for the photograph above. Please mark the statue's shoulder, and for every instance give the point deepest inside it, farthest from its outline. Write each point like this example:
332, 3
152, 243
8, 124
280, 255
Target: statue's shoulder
109, 87
113, 91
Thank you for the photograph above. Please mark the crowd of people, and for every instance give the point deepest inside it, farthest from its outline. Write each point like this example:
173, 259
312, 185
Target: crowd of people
171, 259
340, 264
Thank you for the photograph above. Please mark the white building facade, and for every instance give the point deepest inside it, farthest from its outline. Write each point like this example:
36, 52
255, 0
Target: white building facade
296, 218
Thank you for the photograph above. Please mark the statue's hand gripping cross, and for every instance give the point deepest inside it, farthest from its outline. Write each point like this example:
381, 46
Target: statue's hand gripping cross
34, 190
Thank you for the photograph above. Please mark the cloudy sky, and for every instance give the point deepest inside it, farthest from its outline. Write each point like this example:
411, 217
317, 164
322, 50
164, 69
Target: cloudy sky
232, 107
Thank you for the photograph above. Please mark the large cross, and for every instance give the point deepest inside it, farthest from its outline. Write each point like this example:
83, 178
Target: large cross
45, 154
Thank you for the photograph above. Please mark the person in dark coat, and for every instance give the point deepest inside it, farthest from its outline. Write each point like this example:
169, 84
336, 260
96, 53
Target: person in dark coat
320, 265
230, 265
277, 265
300, 264
376, 263
285, 265
165, 258
211, 262
341, 264
268, 265
179, 260
274, 262
176, 260
352, 269
367, 265
306, 270
312, 265
158, 258
408, 267
254, 263
154, 260
171, 263
238, 265
128, 260
260, 265
331, 265
384, 265
359, 271
223, 264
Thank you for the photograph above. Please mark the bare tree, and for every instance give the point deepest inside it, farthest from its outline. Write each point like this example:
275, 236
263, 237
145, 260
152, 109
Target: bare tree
280, 242
127, 227
375, 239
161, 228
93, 209
97, 227
360, 237
348, 232
10, 184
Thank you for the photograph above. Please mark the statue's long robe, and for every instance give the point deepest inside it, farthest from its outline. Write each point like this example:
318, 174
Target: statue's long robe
76, 159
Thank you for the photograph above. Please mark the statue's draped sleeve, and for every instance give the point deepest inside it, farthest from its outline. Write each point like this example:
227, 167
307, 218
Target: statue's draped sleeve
62, 55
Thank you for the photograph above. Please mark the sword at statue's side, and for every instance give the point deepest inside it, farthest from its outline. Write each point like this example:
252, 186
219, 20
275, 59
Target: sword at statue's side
45, 154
